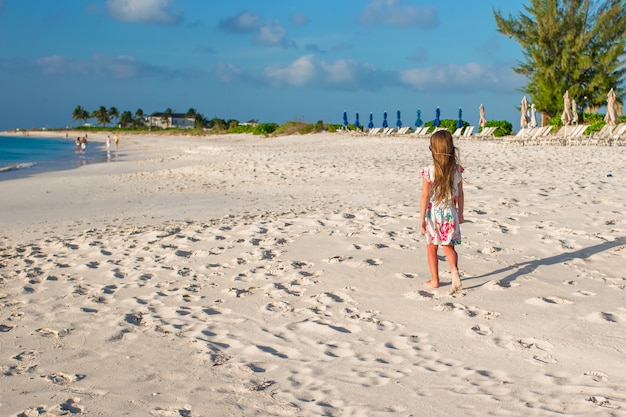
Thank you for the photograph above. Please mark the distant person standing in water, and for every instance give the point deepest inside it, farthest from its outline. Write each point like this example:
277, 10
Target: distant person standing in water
77, 144
116, 139
108, 142
83, 145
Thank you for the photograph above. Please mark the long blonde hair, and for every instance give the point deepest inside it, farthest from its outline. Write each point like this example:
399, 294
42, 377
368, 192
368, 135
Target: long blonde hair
445, 161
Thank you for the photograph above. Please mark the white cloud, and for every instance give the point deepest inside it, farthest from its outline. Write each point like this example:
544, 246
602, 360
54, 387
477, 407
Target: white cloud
300, 20
149, 11
310, 71
108, 67
347, 74
398, 13
270, 34
243, 22
462, 78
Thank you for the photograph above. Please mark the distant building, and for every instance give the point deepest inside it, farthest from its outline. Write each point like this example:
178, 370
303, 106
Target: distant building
251, 122
176, 120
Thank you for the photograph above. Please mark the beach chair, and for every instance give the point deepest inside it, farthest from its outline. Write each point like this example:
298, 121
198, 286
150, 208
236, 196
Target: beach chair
424, 131
486, 132
538, 135
577, 136
618, 136
468, 131
457, 133
593, 138
374, 131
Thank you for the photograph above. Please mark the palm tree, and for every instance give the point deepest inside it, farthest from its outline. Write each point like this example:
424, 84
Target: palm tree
114, 113
126, 119
139, 117
199, 121
167, 116
80, 114
102, 116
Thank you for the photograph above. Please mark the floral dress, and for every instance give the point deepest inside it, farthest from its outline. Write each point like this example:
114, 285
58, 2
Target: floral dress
442, 220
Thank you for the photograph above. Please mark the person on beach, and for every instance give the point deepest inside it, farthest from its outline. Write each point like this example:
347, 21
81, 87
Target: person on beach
83, 144
108, 142
78, 144
116, 139
441, 206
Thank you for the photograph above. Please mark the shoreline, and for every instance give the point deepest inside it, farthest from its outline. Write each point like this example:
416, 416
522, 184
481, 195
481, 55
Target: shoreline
240, 275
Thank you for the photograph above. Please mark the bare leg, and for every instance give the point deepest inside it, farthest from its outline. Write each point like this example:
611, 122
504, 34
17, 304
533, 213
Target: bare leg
433, 265
453, 259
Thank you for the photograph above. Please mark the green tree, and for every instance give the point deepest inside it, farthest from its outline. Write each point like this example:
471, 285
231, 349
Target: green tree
139, 118
114, 114
191, 113
217, 124
199, 121
80, 114
167, 116
126, 119
575, 45
102, 116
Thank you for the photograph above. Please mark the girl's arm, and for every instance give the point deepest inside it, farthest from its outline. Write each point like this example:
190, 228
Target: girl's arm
424, 204
461, 203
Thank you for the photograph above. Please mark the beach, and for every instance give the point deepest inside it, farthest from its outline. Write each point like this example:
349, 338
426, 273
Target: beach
239, 275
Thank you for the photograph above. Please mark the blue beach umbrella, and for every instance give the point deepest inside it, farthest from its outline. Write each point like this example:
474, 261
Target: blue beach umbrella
345, 119
356, 122
385, 124
371, 123
418, 121
399, 122
459, 123
437, 122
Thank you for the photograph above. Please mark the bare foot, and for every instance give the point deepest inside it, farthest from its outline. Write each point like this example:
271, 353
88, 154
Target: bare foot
456, 282
432, 284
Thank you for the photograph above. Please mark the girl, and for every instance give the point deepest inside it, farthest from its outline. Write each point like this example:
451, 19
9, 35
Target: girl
441, 206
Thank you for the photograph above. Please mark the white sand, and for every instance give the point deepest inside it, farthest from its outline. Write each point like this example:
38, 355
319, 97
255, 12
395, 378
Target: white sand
245, 276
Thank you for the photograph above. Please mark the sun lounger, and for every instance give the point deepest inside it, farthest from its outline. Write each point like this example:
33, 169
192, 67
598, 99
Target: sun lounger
457, 133
486, 132
619, 135
577, 136
468, 131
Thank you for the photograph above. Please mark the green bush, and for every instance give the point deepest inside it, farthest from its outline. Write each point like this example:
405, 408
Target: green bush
504, 128
450, 124
241, 129
265, 129
332, 128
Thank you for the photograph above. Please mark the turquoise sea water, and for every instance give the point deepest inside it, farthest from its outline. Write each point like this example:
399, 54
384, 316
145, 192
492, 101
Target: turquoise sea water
21, 156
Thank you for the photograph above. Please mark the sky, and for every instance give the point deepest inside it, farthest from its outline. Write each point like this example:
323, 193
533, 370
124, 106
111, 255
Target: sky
271, 61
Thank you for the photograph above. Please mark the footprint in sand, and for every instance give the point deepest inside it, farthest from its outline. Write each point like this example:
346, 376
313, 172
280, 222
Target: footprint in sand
479, 330
604, 317
499, 285
542, 301
597, 376
59, 378
529, 344
584, 294
406, 275
544, 359
461, 309
420, 295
